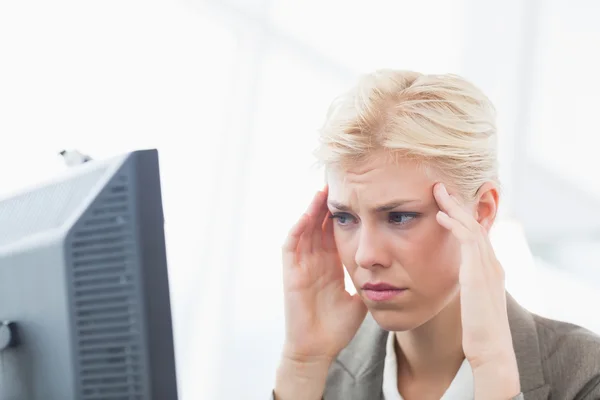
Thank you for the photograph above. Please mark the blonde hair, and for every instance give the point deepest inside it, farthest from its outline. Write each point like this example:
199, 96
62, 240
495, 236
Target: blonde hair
441, 120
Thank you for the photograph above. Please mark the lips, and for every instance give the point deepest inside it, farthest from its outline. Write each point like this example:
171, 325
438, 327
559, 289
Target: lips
380, 286
381, 291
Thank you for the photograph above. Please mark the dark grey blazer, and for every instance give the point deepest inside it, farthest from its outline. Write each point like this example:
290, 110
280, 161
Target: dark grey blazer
557, 360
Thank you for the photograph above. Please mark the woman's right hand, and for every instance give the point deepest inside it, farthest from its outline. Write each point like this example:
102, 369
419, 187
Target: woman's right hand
321, 316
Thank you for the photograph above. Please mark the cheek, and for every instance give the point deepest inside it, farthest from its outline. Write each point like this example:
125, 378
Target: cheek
347, 252
346, 247
428, 254
431, 258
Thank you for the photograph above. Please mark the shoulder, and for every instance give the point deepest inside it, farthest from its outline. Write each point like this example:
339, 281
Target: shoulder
357, 373
570, 357
563, 344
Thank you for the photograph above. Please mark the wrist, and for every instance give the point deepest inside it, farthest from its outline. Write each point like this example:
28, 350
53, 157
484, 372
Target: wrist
301, 378
303, 364
304, 368
497, 380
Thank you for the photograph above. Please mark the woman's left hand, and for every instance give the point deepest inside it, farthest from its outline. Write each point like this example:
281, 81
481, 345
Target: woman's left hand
487, 340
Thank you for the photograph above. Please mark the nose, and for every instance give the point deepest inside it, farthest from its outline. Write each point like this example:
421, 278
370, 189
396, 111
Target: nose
371, 249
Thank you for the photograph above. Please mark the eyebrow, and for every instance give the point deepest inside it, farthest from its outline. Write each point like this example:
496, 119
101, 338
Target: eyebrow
381, 208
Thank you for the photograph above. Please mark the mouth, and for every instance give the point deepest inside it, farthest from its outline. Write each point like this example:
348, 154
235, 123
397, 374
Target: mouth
381, 291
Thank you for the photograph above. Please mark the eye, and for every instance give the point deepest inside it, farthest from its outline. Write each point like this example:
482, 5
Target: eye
401, 218
343, 218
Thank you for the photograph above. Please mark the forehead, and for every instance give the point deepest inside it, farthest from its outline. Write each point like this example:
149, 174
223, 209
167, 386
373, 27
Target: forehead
380, 179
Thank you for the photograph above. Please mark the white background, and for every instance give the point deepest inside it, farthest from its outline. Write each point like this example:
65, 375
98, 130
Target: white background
232, 93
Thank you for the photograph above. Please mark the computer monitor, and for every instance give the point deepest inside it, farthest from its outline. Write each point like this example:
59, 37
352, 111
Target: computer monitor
84, 293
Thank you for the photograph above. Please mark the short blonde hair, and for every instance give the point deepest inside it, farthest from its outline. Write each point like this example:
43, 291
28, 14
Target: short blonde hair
442, 120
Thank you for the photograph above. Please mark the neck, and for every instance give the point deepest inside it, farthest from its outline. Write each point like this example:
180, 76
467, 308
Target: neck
433, 351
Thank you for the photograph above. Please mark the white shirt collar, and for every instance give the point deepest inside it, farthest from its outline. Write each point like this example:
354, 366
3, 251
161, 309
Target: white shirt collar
461, 386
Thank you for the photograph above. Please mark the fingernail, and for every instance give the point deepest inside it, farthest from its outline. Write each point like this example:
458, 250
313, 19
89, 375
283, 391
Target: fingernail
443, 215
443, 189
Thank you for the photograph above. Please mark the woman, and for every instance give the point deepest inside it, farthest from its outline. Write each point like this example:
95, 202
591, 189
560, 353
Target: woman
412, 193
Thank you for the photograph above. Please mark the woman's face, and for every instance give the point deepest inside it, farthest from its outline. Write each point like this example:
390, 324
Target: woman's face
386, 233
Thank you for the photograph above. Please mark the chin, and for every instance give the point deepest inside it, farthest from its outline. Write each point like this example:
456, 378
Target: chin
398, 320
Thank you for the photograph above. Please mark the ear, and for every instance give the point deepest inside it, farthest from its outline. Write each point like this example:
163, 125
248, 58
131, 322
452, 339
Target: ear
487, 205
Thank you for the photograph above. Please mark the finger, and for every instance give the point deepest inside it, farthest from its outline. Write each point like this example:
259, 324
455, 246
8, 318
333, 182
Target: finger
480, 236
292, 240
470, 251
316, 202
459, 213
478, 261
317, 234
459, 231
466, 236
305, 245
453, 208
479, 233
328, 239
491, 255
